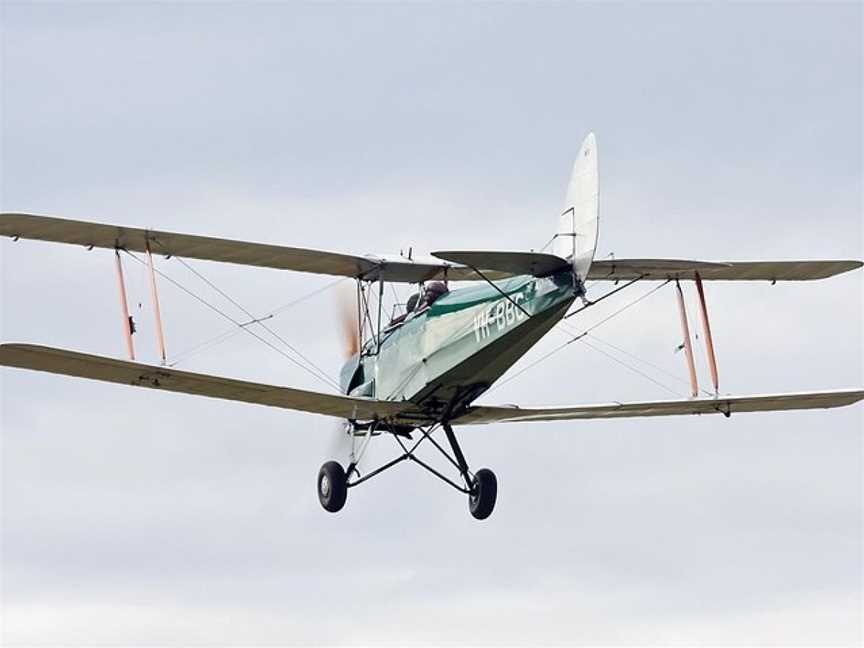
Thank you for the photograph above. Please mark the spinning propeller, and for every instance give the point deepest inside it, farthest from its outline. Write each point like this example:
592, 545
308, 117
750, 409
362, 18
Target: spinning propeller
349, 323
343, 442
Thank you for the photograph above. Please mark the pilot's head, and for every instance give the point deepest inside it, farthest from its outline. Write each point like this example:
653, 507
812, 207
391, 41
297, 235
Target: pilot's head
434, 290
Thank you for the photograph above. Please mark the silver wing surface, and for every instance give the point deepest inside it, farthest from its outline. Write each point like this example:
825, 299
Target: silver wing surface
398, 269
722, 405
88, 234
661, 269
82, 365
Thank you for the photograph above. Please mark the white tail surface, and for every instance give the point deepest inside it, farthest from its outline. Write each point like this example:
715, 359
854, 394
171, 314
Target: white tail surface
576, 238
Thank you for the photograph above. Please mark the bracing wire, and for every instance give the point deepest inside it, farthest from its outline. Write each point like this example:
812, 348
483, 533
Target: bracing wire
587, 333
623, 351
580, 337
254, 320
648, 363
532, 365
631, 368
231, 332
322, 377
617, 312
548, 243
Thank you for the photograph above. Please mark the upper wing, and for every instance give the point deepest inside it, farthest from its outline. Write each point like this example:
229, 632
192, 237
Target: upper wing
495, 265
722, 405
628, 269
60, 230
82, 365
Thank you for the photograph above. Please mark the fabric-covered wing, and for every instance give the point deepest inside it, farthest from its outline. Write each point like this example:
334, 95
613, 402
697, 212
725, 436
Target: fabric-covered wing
60, 230
722, 405
82, 365
661, 269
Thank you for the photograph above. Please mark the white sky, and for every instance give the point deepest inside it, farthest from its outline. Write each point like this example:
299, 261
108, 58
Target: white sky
724, 132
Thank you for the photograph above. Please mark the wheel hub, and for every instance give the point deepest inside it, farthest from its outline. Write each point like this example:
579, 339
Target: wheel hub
325, 486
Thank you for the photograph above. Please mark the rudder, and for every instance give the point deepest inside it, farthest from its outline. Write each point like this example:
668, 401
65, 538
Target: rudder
576, 237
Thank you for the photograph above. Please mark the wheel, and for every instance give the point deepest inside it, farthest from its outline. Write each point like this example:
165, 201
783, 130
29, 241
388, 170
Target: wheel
484, 492
332, 486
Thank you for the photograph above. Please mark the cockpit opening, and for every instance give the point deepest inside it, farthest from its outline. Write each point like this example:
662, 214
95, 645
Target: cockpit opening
420, 301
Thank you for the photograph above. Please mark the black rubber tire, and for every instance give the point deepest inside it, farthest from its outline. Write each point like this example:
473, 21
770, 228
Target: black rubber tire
484, 492
332, 486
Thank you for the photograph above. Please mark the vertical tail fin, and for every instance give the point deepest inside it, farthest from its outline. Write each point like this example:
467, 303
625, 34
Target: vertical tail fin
576, 237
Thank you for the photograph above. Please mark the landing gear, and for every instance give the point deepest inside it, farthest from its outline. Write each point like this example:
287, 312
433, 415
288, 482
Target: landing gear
484, 492
480, 487
332, 486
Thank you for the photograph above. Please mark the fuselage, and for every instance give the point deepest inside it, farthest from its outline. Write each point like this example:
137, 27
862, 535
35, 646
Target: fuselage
445, 355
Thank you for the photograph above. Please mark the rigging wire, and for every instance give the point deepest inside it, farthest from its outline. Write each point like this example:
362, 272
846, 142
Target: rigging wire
619, 349
532, 365
648, 363
617, 312
587, 333
364, 296
259, 321
323, 378
580, 337
198, 348
589, 304
632, 368
549, 242
234, 330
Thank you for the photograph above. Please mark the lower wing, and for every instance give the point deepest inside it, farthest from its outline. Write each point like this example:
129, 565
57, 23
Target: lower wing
722, 405
83, 365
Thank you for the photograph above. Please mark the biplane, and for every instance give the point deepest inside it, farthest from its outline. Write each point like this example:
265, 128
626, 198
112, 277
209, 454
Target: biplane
423, 370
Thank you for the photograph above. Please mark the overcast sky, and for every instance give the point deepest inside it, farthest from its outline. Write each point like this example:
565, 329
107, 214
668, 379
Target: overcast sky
724, 132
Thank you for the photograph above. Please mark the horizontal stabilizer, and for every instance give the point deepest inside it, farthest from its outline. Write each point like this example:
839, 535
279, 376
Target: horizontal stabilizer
660, 269
722, 405
516, 263
82, 365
